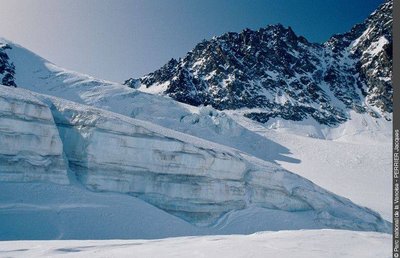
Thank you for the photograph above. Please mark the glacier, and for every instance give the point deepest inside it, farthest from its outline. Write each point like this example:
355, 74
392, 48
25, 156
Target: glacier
31, 148
191, 178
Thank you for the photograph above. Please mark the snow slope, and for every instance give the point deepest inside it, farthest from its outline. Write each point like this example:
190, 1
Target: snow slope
297, 244
351, 165
193, 179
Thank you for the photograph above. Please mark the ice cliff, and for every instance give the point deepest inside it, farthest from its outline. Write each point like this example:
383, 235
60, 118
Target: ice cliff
30, 145
50, 139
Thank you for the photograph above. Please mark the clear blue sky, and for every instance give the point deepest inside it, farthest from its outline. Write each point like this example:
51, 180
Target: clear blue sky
118, 39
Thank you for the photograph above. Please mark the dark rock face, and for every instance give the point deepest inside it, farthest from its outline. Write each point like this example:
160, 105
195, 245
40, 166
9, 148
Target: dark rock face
367, 48
7, 69
272, 72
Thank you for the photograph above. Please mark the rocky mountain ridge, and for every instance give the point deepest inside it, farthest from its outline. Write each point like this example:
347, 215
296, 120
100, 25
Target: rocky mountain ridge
7, 68
272, 72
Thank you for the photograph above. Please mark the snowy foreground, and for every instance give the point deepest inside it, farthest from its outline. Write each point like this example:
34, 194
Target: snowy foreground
300, 243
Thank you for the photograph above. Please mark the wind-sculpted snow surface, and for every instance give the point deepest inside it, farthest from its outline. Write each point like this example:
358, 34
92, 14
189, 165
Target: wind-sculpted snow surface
193, 179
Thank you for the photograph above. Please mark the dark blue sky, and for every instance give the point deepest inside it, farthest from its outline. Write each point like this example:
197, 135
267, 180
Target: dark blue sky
118, 39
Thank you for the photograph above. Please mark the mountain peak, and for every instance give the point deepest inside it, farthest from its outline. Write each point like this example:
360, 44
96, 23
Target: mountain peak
272, 72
